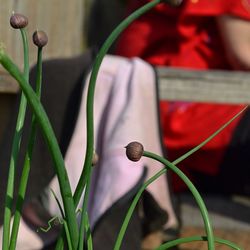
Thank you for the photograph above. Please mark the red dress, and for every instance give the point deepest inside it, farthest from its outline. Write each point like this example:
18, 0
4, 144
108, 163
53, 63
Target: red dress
187, 37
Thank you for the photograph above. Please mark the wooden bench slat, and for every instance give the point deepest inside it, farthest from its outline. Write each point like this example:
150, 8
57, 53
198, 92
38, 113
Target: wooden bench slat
204, 86
184, 85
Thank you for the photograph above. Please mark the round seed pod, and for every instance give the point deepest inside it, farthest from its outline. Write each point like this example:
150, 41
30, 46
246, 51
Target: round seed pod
18, 21
95, 159
40, 38
134, 151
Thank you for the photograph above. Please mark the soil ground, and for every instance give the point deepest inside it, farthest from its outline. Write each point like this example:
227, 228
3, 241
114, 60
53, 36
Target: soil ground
239, 237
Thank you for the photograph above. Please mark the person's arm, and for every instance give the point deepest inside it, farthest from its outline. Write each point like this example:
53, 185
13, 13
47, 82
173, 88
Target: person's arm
236, 36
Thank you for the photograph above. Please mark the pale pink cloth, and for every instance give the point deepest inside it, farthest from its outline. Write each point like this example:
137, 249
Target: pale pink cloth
125, 110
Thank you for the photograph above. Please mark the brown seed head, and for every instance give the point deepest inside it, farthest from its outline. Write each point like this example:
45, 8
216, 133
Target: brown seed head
40, 38
18, 21
95, 159
134, 151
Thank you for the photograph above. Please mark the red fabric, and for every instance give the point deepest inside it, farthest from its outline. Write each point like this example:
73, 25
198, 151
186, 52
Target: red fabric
187, 37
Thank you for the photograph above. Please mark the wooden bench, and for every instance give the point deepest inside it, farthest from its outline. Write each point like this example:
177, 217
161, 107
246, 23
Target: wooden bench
186, 85
174, 84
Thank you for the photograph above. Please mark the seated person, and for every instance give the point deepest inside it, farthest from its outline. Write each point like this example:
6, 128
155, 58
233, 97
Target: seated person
198, 35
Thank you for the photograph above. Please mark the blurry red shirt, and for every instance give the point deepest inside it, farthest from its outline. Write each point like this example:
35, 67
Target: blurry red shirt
187, 37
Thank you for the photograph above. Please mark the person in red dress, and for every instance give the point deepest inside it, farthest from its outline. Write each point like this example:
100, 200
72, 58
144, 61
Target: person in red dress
201, 35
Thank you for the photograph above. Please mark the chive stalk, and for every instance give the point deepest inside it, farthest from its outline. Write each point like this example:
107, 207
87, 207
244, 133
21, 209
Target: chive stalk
27, 160
86, 173
15, 147
173, 243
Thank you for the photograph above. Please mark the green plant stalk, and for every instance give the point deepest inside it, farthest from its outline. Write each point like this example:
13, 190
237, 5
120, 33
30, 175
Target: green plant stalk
132, 207
15, 148
43, 121
88, 232
179, 241
63, 234
86, 173
27, 160
58, 204
194, 191
66, 229
91, 89
60, 242
84, 217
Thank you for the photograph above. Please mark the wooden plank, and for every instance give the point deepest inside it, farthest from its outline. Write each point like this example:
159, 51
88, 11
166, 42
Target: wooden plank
8, 84
204, 86
185, 85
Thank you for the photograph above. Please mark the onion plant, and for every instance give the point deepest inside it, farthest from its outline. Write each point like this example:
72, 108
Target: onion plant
74, 235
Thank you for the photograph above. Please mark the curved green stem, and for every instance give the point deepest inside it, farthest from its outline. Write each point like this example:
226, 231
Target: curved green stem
179, 241
88, 236
25, 54
60, 243
99, 58
84, 218
195, 193
132, 207
148, 182
27, 160
43, 121
66, 229
86, 173
88, 233
15, 148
